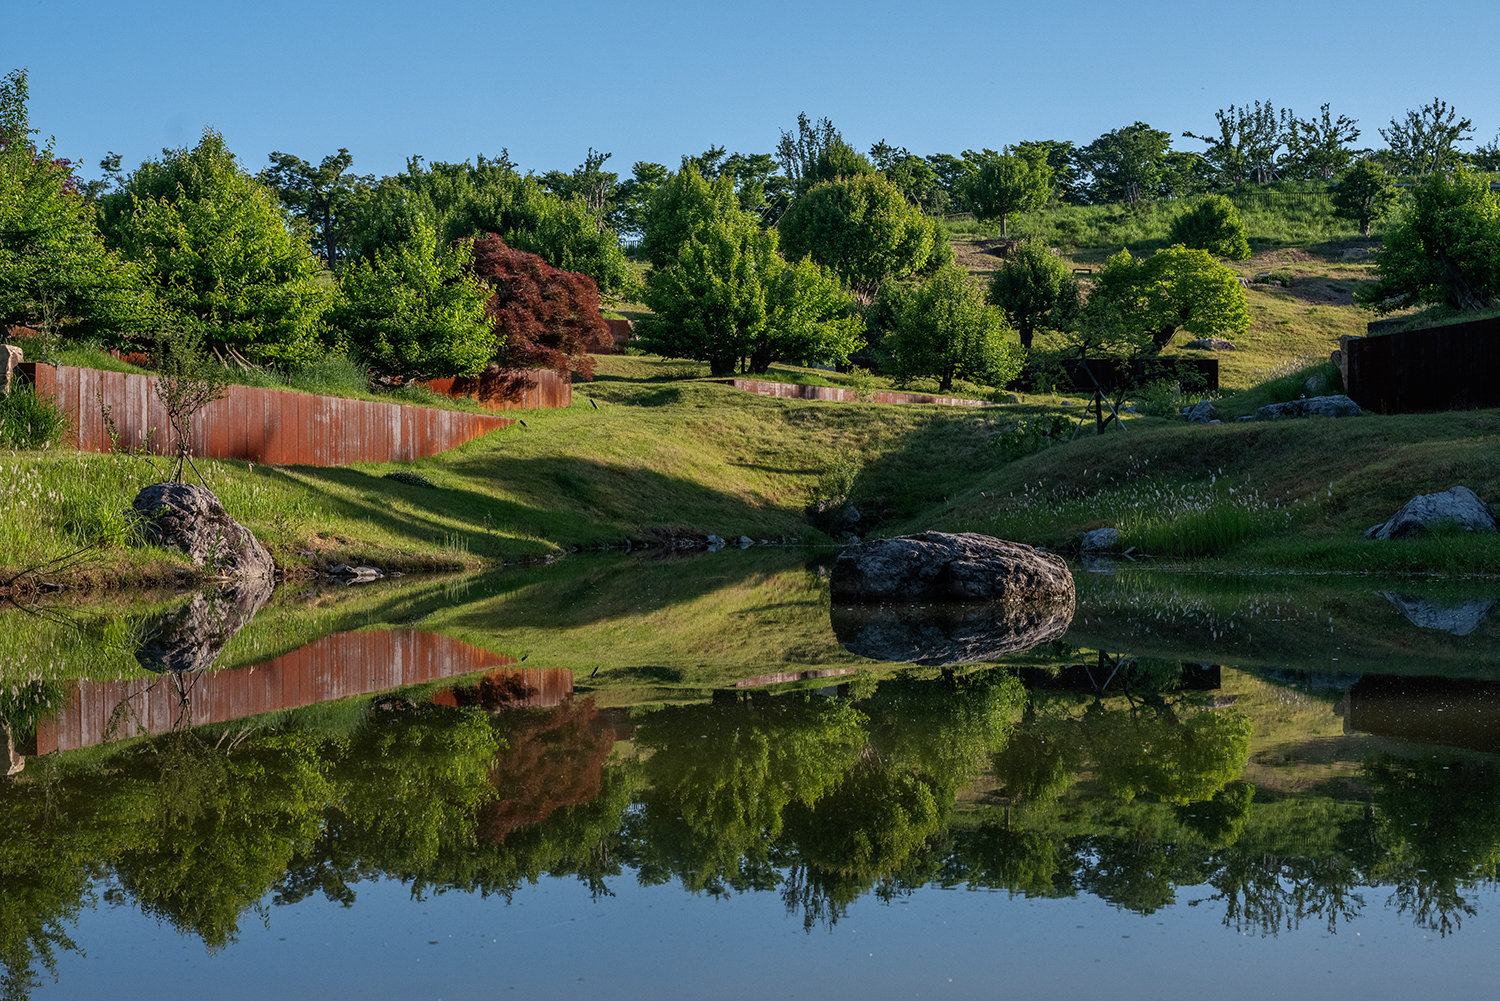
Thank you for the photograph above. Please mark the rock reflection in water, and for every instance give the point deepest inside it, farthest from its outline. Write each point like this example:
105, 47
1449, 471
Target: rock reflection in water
334, 667
943, 634
1459, 620
191, 636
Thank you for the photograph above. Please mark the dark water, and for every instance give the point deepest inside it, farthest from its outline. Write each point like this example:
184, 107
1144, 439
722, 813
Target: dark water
643, 778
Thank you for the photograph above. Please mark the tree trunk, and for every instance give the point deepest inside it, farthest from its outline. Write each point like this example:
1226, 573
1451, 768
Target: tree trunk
1364, 226
947, 382
1002, 225
722, 366
1161, 338
1026, 334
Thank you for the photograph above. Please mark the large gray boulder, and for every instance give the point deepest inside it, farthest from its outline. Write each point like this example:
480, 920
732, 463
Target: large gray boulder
939, 566
191, 636
1317, 406
1100, 540
190, 519
948, 632
1420, 515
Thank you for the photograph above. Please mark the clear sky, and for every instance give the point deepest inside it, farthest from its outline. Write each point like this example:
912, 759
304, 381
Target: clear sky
653, 79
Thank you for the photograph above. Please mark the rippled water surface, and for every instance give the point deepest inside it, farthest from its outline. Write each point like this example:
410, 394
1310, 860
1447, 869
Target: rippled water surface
636, 777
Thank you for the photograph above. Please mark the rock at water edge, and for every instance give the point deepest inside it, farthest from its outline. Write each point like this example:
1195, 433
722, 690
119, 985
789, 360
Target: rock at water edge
942, 566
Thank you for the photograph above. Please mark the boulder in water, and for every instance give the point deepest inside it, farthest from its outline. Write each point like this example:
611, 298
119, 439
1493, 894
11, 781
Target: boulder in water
942, 566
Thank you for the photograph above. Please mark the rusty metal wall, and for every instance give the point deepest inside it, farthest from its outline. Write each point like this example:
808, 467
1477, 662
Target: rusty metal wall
334, 667
511, 389
792, 391
272, 426
620, 334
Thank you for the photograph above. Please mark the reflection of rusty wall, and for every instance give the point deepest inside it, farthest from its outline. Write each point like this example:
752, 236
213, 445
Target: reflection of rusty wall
273, 426
511, 389
1442, 711
533, 688
334, 667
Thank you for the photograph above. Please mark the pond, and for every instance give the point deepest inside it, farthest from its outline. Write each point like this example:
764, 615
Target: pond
648, 777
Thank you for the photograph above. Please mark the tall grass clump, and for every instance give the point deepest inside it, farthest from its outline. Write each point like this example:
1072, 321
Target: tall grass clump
29, 421
1158, 517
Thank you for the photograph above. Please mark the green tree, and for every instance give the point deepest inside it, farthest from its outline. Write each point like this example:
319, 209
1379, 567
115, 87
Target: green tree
1036, 290
1062, 157
864, 229
633, 198
1426, 140
1000, 184
684, 207
729, 298
1138, 304
944, 330
1246, 145
319, 196
1126, 165
416, 310
1364, 193
1318, 147
1444, 249
912, 174
472, 200
216, 244
55, 274
1214, 225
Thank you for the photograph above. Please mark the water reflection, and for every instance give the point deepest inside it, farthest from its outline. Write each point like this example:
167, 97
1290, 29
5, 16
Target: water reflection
191, 636
334, 667
1157, 750
949, 633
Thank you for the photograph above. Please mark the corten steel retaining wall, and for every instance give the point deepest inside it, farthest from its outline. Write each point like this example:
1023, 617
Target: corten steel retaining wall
792, 391
273, 426
511, 389
334, 667
1454, 367
620, 333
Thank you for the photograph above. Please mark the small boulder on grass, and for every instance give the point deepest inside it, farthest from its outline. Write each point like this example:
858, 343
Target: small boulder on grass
1458, 506
190, 519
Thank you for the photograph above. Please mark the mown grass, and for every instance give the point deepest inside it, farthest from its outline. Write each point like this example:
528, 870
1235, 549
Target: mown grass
654, 461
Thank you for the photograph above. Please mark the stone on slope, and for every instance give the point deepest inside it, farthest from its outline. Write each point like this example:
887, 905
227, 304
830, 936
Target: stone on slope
1458, 505
189, 518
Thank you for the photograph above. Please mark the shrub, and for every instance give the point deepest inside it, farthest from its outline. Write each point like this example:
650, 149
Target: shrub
1213, 225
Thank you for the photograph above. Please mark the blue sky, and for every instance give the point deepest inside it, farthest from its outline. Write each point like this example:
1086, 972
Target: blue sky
654, 79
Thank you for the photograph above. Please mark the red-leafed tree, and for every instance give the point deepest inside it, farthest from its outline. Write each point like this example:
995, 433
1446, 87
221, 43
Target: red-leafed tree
544, 317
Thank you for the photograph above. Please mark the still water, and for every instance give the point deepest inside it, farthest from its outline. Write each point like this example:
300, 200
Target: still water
693, 778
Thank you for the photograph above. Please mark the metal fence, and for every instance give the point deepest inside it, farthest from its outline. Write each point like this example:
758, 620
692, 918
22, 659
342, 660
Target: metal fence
1453, 367
511, 389
273, 426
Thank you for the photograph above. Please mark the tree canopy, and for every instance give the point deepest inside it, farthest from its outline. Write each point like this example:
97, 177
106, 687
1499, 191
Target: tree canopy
1444, 249
1365, 194
944, 330
543, 317
417, 310
1138, 304
1002, 184
864, 229
216, 244
1035, 290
